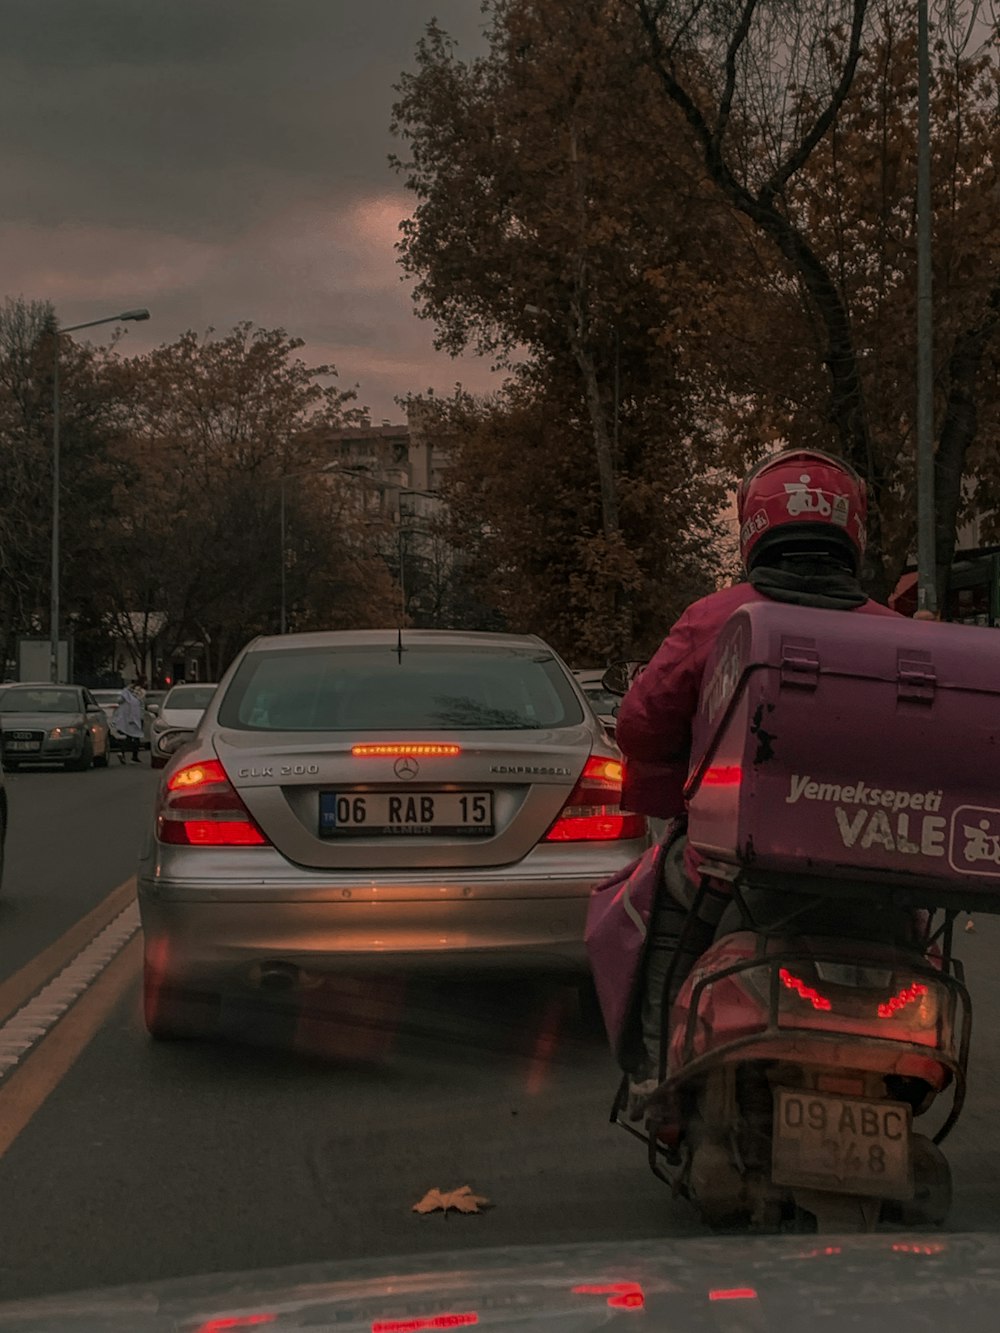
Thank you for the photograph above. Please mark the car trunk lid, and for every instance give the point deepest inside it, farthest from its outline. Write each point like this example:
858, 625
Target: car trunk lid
391, 801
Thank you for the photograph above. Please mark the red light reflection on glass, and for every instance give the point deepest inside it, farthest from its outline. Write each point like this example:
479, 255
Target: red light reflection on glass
427, 1321
804, 992
910, 1247
628, 1300
900, 1001
235, 1321
722, 775
621, 1295
734, 1294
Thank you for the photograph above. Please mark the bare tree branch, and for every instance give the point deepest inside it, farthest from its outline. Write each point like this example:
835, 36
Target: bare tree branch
732, 51
814, 135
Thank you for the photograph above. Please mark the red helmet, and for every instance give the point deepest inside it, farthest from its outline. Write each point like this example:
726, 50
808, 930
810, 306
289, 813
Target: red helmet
802, 491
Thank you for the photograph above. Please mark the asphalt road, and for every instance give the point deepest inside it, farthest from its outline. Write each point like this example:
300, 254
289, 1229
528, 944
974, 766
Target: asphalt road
308, 1135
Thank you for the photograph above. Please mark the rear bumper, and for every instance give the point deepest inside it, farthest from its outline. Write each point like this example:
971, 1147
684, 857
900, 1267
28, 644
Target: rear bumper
201, 939
417, 922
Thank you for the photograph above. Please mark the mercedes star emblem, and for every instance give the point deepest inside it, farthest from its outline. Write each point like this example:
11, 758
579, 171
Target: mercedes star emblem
406, 768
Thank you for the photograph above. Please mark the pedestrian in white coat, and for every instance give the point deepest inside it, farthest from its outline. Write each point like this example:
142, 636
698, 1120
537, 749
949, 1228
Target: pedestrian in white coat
126, 720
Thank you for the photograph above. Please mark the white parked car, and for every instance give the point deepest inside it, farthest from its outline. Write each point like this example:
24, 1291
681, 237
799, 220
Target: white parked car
178, 717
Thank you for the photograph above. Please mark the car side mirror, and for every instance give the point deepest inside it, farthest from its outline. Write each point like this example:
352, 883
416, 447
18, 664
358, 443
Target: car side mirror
154, 709
617, 678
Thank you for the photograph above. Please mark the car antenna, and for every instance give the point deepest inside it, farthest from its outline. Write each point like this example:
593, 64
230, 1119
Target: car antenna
400, 650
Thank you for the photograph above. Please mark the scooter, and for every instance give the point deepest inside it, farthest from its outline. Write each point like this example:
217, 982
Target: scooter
840, 795
801, 1049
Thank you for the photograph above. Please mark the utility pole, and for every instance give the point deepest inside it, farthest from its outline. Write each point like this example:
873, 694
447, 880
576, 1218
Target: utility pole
926, 556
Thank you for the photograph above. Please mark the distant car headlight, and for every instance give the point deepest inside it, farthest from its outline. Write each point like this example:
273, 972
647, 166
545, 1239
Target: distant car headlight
64, 733
170, 741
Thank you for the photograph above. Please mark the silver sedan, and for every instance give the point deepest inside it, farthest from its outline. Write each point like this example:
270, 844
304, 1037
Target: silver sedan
378, 801
53, 724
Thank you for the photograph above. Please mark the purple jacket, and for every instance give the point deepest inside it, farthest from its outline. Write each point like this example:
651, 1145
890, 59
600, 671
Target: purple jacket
653, 726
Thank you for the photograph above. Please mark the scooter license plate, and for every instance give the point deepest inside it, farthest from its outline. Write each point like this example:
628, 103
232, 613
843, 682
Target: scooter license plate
841, 1144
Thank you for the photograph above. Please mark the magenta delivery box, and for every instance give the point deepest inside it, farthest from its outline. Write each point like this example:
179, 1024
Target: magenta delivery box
835, 746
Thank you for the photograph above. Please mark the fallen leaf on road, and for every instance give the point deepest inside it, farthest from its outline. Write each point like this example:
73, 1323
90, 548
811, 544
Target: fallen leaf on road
461, 1200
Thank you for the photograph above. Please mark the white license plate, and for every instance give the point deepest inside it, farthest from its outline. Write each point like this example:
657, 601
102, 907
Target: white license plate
22, 745
841, 1144
405, 814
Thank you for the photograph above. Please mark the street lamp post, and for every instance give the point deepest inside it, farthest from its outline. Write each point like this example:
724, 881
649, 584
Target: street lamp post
54, 590
926, 556
284, 601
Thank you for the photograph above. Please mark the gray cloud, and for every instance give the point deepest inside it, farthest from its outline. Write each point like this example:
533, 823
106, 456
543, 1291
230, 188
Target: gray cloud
219, 160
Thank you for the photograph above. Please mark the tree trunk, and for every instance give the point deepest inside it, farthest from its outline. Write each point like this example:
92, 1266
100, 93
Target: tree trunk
603, 452
847, 398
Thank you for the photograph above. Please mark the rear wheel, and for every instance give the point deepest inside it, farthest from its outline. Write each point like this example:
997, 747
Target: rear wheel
176, 1013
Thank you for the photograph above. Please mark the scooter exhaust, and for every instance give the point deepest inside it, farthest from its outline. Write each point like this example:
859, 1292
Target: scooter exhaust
278, 976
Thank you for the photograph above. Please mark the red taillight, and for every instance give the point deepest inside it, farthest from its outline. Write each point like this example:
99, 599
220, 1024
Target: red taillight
592, 812
734, 1294
803, 991
208, 773
406, 750
906, 996
201, 808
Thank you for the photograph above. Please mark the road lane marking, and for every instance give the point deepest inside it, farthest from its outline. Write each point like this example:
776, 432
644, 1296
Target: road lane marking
26, 1028
25, 1091
16, 989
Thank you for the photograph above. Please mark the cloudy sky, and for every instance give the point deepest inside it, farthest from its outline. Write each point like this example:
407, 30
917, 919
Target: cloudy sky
218, 161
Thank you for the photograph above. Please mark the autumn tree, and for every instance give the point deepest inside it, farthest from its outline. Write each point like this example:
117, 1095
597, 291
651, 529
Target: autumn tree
89, 418
804, 115
223, 433
541, 223
26, 352
529, 534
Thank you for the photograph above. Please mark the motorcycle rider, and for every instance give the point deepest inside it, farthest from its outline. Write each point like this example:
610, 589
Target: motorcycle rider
802, 516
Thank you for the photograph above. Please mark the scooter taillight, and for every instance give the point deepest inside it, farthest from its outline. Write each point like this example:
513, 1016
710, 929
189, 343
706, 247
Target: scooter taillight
802, 990
899, 1007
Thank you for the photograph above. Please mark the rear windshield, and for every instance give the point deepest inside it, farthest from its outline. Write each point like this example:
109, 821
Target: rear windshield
369, 689
39, 701
189, 696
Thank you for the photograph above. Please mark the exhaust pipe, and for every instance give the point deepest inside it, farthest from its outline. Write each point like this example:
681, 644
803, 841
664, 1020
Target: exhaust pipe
278, 976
